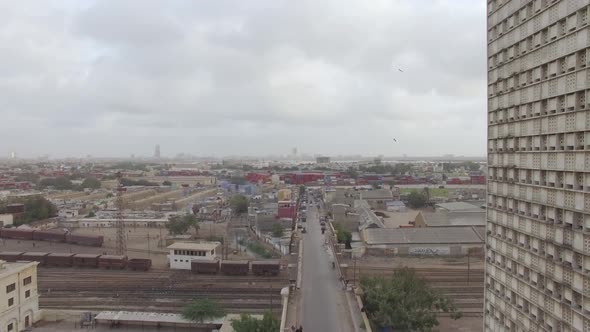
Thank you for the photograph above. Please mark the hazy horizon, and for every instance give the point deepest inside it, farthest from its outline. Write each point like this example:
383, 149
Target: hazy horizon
115, 78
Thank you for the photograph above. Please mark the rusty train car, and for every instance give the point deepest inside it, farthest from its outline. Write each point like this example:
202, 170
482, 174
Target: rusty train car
258, 268
53, 235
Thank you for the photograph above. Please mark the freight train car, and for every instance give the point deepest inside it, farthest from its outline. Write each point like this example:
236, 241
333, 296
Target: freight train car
60, 259
85, 260
205, 267
11, 256
40, 257
235, 267
17, 234
139, 264
266, 268
85, 240
112, 262
53, 235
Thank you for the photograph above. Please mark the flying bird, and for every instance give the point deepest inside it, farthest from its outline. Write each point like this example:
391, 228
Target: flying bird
394, 140
400, 70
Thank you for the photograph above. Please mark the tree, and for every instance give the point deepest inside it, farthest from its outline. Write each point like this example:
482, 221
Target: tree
416, 199
27, 177
166, 183
177, 225
404, 302
36, 208
239, 204
352, 173
343, 236
59, 183
91, 183
247, 323
91, 214
277, 230
202, 309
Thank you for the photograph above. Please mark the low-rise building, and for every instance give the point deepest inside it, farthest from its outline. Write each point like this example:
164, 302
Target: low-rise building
19, 300
377, 199
182, 253
6, 219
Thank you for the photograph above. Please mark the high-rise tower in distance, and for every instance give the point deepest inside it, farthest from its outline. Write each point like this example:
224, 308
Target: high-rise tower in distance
538, 220
157, 151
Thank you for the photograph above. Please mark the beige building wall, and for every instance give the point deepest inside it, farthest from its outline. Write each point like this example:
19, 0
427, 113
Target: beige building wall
538, 222
19, 300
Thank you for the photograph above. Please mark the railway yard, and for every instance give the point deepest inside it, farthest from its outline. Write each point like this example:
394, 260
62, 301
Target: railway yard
157, 290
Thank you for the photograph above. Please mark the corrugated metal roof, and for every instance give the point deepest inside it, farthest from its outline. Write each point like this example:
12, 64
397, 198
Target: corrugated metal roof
421, 235
445, 218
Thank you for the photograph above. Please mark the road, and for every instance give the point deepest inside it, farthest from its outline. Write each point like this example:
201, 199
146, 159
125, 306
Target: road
325, 307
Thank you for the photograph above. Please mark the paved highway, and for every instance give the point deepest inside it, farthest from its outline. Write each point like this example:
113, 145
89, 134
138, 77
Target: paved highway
325, 308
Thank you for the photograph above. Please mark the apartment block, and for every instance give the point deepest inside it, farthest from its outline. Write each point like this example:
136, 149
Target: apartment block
538, 222
19, 300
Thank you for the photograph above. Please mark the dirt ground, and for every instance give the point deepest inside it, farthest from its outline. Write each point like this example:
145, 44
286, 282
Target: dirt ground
464, 324
141, 243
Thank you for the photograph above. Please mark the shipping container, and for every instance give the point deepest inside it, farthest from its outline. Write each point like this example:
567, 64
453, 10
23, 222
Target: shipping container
11, 256
54, 235
85, 240
205, 267
17, 234
235, 267
139, 264
112, 262
40, 257
60, 259
86, 260
266, 268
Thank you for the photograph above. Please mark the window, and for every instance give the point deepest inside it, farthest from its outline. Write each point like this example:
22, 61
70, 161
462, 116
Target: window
176, 260
27, 294
10, 288
10, 301
10, 327
27, 280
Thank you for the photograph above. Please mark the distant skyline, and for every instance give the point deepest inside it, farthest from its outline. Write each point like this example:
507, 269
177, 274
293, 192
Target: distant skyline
115, 78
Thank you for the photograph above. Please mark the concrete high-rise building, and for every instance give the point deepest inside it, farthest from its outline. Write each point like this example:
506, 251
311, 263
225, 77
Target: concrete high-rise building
538, 229
157, 151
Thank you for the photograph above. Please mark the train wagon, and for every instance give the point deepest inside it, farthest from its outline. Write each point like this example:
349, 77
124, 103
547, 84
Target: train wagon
11, 256
205, 267
112, 262
139, 264
235, 267
60, 259
85, 260
85, 240
266, 268
17, 234
54, 235
40, 257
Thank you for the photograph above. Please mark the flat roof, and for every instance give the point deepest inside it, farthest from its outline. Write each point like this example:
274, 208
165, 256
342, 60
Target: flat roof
7, 269
377, 194
457, 206
194, 245
426, 235
460, 218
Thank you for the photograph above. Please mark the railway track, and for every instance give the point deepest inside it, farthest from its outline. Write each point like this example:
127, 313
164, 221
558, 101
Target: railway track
154, 290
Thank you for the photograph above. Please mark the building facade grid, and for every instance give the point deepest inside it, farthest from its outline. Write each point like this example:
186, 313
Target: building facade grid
538, 221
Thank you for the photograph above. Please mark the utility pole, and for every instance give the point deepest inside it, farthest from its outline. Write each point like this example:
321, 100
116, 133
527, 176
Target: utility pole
148, 239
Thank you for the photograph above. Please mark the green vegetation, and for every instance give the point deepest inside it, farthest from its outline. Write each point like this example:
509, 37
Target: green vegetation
166, 183
214, 238
277, 230
417, 199
343, 236
59, 183
202, 309
404, 302
129, 182
178, 225
256, 248
247, 323
36, 208
239, 204
352, 173
28, 177
90, 183
130, 166
467, 165
393, 169
91, 214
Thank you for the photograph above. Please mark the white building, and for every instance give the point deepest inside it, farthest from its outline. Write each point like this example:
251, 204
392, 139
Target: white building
6, 219
538, 222
19, 301
182, 253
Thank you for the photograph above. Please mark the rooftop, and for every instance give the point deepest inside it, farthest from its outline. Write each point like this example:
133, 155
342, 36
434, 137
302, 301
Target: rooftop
377, 194
194, 245
7, 269
439, 235
461, 218
458, 206
396, 219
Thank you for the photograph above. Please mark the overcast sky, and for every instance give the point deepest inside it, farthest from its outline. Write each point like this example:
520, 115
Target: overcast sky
114, 78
